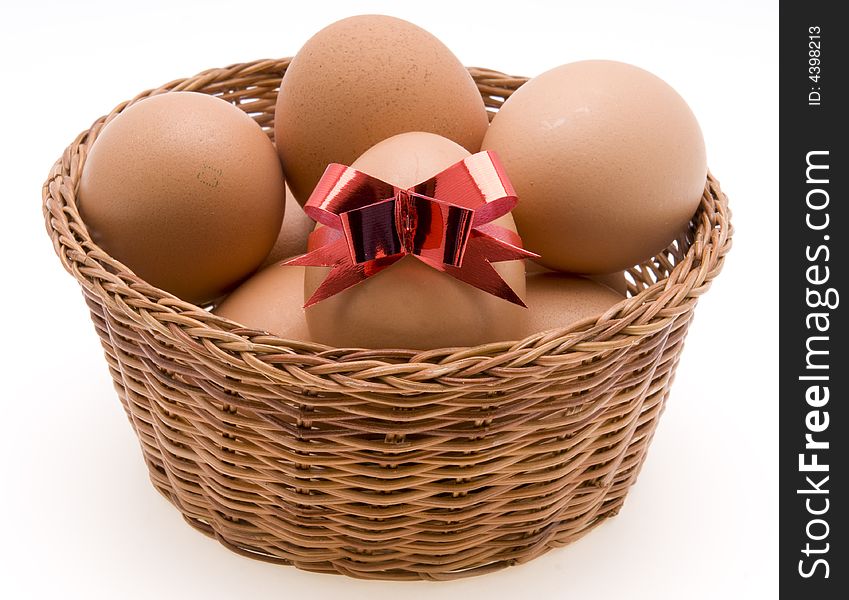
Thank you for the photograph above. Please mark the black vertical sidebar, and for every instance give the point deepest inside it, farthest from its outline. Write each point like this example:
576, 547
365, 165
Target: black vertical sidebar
814, 433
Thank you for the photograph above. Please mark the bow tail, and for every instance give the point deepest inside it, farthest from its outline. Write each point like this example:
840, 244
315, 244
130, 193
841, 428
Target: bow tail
502, 242
335, 254
331, 250
339, 279
326, 248
477, 270
479, 273
348, 274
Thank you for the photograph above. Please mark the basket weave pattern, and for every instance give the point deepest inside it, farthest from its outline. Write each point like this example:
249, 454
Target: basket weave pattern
385, 464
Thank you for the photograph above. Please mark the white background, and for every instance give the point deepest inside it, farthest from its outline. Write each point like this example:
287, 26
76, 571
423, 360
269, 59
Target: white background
79, 518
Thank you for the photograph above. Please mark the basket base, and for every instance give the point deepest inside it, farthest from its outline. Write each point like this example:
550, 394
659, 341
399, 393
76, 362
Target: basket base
549, 542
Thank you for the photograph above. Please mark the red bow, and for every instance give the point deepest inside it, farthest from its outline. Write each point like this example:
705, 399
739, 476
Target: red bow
445, 222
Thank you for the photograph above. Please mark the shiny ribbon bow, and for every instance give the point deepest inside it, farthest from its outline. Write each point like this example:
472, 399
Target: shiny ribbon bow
445, 222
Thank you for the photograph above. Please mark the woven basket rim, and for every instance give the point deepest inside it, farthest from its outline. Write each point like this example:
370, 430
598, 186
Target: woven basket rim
704, 257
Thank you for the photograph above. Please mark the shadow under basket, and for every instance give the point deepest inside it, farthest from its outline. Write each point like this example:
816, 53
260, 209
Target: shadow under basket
386, 464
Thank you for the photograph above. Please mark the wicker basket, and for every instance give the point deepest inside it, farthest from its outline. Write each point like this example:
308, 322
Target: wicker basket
385, 464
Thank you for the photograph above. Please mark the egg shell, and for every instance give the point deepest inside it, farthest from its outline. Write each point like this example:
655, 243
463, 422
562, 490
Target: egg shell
364, 79
615, 281
410, 304
557, 300
293, 235
532, 266
186, 190
608, 162
272, 301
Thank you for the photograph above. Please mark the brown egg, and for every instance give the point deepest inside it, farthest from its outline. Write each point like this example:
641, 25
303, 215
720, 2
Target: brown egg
362, 80
272, 301
410, 304
608, 162
292, 239
615, 281
557, 300
186, 190
532, 266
